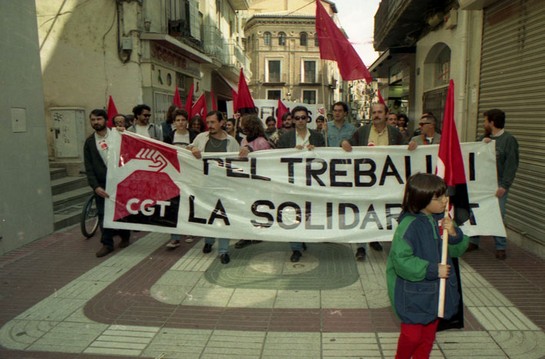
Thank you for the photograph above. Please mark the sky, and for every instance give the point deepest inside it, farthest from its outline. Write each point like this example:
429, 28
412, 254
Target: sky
357, 17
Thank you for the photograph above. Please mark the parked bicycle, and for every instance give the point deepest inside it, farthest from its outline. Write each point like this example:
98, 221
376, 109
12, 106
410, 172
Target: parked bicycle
89, 217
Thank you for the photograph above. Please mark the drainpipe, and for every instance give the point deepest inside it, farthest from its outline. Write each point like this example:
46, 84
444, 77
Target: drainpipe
464, 89
124, 43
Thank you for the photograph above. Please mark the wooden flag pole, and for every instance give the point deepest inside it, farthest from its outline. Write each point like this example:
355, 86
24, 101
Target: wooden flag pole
444, 254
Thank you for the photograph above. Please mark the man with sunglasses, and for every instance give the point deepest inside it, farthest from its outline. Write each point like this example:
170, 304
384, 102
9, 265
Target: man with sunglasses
428, 135
301, 138
142, 126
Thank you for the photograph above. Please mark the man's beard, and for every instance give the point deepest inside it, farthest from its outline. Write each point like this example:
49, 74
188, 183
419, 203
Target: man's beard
98, 127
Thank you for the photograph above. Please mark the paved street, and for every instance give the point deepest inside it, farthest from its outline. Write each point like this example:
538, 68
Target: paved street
59, 301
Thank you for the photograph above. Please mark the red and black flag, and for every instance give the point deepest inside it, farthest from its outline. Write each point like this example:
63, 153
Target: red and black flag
244, 102
450, 167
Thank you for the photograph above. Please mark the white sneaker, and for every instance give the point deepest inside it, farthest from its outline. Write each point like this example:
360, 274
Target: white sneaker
189, 240
173, 244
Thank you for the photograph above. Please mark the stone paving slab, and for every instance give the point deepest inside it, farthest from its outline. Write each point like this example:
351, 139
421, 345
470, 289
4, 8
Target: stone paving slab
140, 311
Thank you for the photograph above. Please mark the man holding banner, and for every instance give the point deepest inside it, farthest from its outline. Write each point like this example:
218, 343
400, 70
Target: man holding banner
300, 138
379, 133
507, 161
214, 140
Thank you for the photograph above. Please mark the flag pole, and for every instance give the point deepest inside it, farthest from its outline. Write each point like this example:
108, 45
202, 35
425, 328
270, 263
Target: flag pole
444, 254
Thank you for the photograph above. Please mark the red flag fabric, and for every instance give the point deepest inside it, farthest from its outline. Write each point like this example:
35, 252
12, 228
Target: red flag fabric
199, 108
235, 96
245, 103
380, 98
335, 46
112, 111
214, 103
280, 111
177, 101
450, 163
189, 100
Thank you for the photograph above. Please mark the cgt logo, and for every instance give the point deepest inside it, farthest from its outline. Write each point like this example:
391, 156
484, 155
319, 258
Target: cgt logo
147, 196
146, 207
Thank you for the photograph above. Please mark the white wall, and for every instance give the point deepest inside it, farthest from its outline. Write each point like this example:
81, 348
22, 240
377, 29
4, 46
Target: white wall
26, 210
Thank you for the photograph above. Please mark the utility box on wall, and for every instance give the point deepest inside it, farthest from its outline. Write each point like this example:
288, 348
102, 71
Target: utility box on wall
68, 132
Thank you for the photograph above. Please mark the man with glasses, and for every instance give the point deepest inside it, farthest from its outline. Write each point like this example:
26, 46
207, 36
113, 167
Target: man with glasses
428, 135
142, 126
301, 138
377, 133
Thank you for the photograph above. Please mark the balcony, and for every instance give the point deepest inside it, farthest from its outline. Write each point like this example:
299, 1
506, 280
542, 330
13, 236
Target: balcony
400, 23
240, 4
213, 43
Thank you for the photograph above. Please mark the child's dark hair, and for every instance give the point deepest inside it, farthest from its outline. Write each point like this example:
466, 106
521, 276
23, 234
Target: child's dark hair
419, 191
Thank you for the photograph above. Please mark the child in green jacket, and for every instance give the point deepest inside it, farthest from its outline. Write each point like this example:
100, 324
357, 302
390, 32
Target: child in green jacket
413, 270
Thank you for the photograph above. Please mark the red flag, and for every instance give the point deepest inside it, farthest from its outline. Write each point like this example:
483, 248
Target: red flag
280, 111
245, 103
450, 163
112, 111
199, 108
189, 100
214, 103
380, 98
235, 96
177, 101
335, 46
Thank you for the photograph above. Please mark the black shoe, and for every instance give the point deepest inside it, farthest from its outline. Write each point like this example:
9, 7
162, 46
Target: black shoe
500, 254
360, 254
296, 255
225, 258
104, 251
376, 246
124, 242
242, 243
207, 248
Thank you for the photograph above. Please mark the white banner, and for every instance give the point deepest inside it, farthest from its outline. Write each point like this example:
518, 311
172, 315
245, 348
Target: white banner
282, 195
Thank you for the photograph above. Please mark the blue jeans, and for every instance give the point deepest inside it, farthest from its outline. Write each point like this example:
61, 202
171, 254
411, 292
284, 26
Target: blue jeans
175, 237
223, 244
501, 242
296, 246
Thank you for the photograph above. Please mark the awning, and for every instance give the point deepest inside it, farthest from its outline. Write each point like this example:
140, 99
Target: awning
178, 46
222, 86
381, 67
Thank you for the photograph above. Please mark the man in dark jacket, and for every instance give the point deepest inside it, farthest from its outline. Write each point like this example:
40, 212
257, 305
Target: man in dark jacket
301, 138
378, 133
95, 152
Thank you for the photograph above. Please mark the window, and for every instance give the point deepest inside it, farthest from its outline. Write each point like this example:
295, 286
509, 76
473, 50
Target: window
309, 96
308, 73
316, 42
272, 72
303, 39
282, 38
267, 38
442, 68
274, 94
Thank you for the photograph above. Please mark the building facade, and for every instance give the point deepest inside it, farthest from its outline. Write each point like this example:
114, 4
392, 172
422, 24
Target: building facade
490, 48
136, 52
283, 47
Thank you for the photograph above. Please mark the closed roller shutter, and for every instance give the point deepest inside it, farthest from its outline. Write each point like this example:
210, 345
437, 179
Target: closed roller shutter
513, 79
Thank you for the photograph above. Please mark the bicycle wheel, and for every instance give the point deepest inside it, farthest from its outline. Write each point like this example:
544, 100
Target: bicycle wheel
89, 217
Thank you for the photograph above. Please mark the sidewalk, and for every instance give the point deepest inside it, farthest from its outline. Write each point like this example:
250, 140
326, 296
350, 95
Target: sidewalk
59, 301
